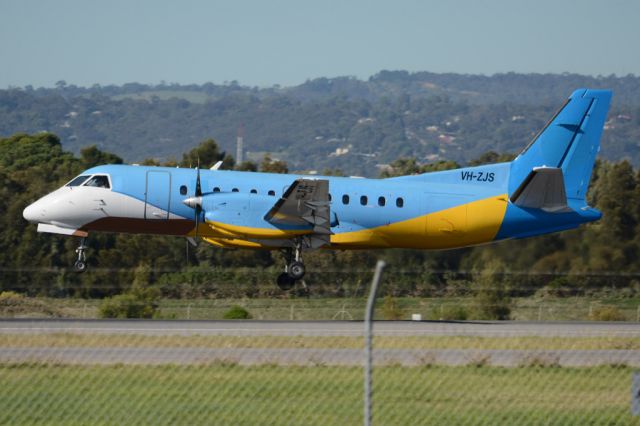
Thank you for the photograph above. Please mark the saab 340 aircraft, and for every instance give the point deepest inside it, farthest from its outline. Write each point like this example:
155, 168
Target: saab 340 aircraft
543, 190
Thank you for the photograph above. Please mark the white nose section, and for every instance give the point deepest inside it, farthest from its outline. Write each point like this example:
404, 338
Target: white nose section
34, 213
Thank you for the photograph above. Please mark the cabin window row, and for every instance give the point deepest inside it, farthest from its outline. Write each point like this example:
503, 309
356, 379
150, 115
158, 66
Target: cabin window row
271, 192
364, 200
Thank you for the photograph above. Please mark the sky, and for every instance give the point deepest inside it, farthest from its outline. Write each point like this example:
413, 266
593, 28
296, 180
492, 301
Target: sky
268, 42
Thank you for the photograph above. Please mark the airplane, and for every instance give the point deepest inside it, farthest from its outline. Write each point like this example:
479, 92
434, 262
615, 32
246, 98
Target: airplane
542, 190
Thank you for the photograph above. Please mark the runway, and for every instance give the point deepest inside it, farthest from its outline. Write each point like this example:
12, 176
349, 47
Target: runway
325, 328
157, 355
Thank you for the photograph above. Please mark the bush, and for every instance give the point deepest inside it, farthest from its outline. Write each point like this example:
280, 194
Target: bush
127, 306
16, 305
492, 301
390, 309
237, 312
606, 313
454, 313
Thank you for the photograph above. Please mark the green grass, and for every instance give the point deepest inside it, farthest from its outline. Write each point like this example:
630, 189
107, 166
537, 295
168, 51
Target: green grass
530, 308
536, 343
232, 394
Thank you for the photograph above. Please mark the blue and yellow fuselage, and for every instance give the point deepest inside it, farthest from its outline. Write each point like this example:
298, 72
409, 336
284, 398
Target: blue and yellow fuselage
543, 190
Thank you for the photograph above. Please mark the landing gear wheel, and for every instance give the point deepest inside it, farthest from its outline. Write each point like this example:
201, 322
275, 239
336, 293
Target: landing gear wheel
296, 270
81, 263
80, 266
285, 282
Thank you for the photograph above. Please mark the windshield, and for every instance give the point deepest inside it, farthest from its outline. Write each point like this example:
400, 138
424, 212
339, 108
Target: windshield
78, 181
98, 181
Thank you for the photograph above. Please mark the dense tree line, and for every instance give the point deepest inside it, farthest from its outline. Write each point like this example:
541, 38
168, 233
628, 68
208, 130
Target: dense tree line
594, 257
342, 123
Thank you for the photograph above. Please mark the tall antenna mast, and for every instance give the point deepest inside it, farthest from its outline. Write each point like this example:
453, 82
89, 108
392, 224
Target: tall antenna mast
240, 145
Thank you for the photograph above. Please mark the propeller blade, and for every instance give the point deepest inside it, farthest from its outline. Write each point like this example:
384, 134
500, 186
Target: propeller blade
198, 187
198, 208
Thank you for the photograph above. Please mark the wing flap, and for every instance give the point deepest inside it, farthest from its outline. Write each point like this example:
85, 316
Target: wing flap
305, 202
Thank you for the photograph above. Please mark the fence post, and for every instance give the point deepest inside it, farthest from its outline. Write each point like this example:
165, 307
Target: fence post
368, 327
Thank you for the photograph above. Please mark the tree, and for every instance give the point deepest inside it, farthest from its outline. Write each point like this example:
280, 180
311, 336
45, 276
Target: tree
91, 156
269, 165
206, 154
490, 157
247, 166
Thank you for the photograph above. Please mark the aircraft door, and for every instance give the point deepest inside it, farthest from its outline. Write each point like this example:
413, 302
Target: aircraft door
157, 195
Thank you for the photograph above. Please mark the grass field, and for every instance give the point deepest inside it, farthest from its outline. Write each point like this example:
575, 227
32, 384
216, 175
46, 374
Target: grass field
537, 309
229, 394
535, 343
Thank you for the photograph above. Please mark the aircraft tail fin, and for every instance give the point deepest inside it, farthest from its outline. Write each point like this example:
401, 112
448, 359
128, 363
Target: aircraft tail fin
568, 143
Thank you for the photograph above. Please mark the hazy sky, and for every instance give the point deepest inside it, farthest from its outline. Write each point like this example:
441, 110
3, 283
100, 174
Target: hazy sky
286, 42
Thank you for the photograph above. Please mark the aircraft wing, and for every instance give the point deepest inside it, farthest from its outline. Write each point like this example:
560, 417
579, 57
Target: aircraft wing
305, 202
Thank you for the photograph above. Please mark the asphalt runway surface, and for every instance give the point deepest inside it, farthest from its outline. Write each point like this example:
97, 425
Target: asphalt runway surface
318, 356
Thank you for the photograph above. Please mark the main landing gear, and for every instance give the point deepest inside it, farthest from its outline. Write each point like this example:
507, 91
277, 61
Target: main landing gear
294, 268
81, 263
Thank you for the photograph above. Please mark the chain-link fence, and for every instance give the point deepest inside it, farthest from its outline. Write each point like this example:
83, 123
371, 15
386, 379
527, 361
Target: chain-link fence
311, 372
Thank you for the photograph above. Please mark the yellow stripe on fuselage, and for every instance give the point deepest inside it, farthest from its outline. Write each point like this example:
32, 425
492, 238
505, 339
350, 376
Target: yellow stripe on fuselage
237, 231
468, 224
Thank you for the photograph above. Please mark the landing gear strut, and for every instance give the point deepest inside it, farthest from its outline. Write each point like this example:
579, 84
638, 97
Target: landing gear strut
81, 263
294, 268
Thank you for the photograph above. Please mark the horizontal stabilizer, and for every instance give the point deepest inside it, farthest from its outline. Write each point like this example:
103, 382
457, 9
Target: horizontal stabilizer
542, 189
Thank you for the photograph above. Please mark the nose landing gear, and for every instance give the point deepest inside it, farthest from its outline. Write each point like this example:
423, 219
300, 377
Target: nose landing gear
294, 268
81, 264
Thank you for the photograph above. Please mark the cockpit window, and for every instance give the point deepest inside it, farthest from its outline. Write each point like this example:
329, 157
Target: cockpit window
78, 181
98, 181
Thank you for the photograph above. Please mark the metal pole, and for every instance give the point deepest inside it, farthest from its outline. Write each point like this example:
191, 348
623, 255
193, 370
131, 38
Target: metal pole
368, 328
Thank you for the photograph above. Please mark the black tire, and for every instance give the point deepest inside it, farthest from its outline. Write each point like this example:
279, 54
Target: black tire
285, 282
80, 266
296, 270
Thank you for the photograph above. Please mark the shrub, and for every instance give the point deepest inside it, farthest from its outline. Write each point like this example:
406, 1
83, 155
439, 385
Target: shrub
390, 309
16, 305
454, 313
127, 306
237, 312
492, 301
606, 313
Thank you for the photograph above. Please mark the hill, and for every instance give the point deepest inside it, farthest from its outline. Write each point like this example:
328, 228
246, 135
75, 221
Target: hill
343, 122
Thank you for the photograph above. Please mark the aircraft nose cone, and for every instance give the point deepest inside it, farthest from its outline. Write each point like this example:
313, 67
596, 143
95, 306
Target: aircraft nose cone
33, 213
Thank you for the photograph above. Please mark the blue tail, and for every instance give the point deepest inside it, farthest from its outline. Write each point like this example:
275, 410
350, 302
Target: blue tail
569, 142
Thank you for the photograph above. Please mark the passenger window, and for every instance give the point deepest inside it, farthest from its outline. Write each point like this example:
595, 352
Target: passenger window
78, 181
98, 181
345, 199
216, 189
254, 191
382, 201
272, 192
183, 190
399, 202
235, 190
363, 200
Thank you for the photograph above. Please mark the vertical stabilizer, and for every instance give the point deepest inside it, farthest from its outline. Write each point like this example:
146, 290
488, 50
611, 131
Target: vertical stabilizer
570, 142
